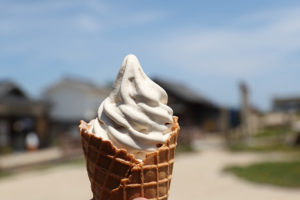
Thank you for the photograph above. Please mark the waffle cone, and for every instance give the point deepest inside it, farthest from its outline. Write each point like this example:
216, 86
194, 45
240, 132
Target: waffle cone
115, 174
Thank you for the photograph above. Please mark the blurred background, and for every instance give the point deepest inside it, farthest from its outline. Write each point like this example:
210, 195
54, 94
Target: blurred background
231, 70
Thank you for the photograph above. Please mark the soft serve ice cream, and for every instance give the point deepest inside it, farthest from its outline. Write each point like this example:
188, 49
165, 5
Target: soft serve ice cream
135, 115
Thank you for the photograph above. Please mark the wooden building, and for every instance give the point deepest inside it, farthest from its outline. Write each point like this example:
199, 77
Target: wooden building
19, 116
287, 104
197, 114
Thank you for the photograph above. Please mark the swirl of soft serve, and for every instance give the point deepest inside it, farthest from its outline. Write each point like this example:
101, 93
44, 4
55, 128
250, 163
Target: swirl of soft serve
135, 115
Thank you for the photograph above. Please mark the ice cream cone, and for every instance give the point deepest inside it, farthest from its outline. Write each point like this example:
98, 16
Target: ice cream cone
117, 175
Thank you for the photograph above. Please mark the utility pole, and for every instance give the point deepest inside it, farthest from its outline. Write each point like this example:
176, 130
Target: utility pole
245, 112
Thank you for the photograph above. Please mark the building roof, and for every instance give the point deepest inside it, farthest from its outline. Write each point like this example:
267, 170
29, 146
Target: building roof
77, 83
14, 101
183, 92
294, 99
9, 90
287, 104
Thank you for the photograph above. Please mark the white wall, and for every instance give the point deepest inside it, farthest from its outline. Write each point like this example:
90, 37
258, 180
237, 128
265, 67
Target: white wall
72, 103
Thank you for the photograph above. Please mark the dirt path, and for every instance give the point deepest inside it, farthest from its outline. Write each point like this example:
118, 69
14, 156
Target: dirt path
200, 176
61, 183
196, 176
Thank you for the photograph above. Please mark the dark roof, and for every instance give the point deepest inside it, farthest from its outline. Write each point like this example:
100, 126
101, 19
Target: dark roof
287, 100
9, 90
181, 91
15, 102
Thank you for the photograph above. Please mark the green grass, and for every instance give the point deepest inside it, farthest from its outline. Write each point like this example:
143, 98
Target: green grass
264, 148
73, 162
4, 174
184, 149
273, 132
5, 150
285, 174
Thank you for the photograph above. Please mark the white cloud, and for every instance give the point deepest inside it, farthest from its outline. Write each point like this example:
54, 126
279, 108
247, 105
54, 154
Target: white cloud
88, 23
238, 50
90, 16
55, 29
145, 17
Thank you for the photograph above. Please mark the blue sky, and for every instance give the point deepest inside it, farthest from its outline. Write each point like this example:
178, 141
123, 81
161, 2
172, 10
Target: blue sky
208, 45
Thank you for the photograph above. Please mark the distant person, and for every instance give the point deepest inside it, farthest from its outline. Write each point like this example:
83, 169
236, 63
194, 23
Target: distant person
32, 141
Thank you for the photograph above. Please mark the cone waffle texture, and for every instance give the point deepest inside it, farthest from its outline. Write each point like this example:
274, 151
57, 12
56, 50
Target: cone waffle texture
116, 175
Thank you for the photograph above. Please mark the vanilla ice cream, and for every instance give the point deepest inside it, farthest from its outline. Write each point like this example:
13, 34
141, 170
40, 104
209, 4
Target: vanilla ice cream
135, 115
